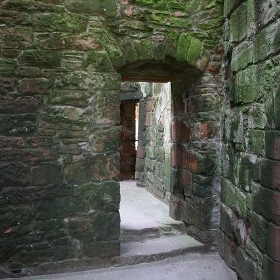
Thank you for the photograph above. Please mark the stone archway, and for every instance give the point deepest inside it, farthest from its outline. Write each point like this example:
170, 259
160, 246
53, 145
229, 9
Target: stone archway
59, 101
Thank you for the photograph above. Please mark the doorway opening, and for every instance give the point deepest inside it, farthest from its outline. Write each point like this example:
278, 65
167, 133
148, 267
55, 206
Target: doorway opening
129, 132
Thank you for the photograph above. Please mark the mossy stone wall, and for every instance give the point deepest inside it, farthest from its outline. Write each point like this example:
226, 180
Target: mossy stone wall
250, 151
62, 62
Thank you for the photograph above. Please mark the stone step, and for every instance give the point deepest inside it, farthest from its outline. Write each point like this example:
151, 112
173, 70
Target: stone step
158, 249
146, 233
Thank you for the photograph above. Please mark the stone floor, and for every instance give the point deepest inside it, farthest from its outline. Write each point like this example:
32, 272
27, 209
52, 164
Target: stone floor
154, 246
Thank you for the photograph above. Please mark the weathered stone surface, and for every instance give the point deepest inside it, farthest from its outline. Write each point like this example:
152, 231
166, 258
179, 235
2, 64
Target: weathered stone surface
270, 176
93, 168
266, 203
100, 226
9, 105
64, 22
27, 155
35, 86
14, 174
238, 23
17, 125
101, 249
246, 268
105, 195
36, 58
107, 7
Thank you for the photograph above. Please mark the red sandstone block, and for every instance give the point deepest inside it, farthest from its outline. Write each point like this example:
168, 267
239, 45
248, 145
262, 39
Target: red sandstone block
35, 86
207, 130
11, 142
273, 242
149, 106
11, 105
185, 132
177, 106
141, 152
193, 163
186, 178
270, 175
184, 158
267, 203
273, 145
148, 118
176, 156
176, 131
6, 84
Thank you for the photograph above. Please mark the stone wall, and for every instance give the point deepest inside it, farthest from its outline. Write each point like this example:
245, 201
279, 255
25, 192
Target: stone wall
250, 195
196, 114
62, 62
156, 172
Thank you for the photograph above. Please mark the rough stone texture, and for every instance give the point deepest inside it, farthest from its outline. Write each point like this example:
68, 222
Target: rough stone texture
250, 151
62, 63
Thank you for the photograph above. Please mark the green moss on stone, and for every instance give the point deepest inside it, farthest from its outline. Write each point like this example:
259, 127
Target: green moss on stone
101, 7
64, 22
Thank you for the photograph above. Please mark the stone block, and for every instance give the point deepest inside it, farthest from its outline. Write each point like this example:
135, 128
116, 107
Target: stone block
105, 8
30, 72
9, 105
27, 155
12, 218
270, 176
185, 132
246, 85
234, 198
18, 125
99, 226
14, 174
46, 174
227, 221
227, 249
273, 144
245, 265
93, 168
176, 156
205, 103
16, 38
107, 139
273, 242
11, 142
141, 152
186, 182
258, 230
148, 119
238, 23
228, 6
249, 169
103, 196
257, 117
267, 41
7, 67
58, 208
105, 249
6, 85
65, 22
267, 203
202, 211
40, 58
15, 195
271, 269
256, 141
98, 61
176, 131
242, 56
106, 108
